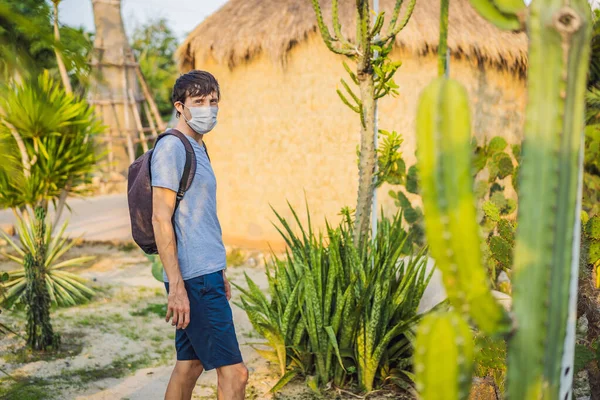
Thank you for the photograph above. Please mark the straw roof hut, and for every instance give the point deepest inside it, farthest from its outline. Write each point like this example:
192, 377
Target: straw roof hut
283, 133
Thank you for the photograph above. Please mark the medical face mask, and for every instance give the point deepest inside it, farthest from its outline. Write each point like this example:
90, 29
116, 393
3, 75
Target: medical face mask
203, 119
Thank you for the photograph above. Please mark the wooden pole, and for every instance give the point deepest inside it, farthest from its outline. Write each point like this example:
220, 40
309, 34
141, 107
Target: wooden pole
150, 120
149, 98
126, 121
64, 75
126, 137
109, 144
138, 120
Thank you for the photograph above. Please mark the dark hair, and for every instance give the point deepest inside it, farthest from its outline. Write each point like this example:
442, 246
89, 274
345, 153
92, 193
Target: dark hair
194, 83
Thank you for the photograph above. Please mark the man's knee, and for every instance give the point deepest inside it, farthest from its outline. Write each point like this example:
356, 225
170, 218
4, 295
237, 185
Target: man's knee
189, 370
243, 375
234, 374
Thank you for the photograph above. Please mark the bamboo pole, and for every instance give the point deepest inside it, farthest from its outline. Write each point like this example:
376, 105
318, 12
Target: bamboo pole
126, 121
150, 120
59, 61
111, 155
138, 120
119, 130
149, 98
114, 101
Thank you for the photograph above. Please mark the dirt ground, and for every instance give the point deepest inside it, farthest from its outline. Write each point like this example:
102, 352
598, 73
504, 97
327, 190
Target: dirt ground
118, 346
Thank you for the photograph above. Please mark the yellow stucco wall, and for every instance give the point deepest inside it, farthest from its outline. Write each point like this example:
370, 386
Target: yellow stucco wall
283, 133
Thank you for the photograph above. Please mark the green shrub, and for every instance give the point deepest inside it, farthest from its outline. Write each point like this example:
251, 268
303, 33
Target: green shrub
64, 288
336, 312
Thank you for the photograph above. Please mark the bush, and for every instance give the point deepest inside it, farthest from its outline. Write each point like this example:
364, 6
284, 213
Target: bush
337, 312
64, 288
48, 138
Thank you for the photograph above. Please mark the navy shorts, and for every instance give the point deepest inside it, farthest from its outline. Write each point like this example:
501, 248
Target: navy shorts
210, 335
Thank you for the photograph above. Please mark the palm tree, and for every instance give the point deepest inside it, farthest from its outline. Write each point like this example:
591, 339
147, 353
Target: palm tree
53, 151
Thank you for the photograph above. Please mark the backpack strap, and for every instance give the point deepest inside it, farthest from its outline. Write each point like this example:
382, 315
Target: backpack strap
206, 150
189, 168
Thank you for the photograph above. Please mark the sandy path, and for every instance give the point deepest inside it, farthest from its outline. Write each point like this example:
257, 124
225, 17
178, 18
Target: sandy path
99, 218
108, 332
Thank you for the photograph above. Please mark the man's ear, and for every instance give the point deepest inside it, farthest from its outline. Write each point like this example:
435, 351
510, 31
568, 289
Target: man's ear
179, 107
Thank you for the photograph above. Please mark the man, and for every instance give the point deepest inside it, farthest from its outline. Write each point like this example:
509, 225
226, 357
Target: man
191, 249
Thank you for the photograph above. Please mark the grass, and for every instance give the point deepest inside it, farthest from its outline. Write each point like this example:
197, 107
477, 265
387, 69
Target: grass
26, 389
32, 388
159, 309
128, 247
71, 345
119, 368
99, 321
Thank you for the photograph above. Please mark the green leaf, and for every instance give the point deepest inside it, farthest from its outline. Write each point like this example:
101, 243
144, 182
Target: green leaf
497, 144
334, 343
504, 165
592, 228
412, 180
583, 356
594, 252
491, 211
506, 230
284, 380
157, 269
501, 250
479, 160
411, 215
516, 150
403, 201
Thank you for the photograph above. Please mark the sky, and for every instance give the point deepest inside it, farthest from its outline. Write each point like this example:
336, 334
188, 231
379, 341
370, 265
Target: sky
183, 15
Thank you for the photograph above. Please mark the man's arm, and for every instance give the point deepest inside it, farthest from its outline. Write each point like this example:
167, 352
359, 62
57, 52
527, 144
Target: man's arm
163, 207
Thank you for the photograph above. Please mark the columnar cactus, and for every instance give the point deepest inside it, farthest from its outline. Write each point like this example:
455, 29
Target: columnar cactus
540, 331
374, 78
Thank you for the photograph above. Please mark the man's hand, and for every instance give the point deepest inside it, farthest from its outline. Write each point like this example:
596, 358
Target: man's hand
227, 287
178, 306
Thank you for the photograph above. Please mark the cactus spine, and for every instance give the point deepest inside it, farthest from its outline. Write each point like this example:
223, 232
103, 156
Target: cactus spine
540, 351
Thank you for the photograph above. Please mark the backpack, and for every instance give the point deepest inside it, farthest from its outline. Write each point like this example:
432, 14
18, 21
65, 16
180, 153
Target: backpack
139, 192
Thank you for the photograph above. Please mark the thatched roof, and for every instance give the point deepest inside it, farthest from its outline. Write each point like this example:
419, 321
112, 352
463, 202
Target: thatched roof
241, 29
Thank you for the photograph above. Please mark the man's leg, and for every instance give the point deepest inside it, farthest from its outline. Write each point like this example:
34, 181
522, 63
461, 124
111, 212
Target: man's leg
183, 380
232, 382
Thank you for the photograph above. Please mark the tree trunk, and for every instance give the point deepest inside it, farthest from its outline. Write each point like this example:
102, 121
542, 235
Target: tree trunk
40, 334
61, 65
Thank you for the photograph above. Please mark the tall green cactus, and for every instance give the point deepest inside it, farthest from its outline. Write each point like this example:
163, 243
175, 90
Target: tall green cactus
541, 334
374, 78
559, 38
450, 216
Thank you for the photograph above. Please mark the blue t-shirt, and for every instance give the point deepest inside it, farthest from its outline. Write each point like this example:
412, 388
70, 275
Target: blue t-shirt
200, 247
